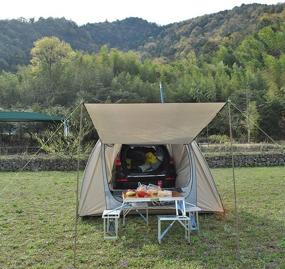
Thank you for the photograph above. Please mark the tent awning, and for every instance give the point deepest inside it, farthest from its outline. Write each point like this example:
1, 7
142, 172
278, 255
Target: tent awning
8, 116
172, 123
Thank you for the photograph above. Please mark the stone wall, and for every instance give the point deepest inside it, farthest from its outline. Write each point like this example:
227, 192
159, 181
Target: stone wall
247, 160
55, 163
40, 163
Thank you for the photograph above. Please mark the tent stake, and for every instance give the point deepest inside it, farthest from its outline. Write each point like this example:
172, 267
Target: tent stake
77, 186
234, 182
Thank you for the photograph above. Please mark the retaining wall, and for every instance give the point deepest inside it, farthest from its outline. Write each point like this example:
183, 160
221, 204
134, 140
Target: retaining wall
248, 160
55, 163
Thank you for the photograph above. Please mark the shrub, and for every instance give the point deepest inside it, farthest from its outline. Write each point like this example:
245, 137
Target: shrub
60, 144
219, 139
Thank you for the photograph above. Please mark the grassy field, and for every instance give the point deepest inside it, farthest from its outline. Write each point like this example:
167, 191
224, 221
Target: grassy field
37, 218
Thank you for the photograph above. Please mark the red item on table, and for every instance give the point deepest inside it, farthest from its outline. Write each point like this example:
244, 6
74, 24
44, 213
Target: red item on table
142, 193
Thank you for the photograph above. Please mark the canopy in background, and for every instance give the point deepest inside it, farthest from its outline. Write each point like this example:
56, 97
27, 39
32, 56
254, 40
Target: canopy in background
11, 116
171, 123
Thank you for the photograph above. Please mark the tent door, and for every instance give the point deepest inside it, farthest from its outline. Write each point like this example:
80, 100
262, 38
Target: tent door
191, 196
111, 202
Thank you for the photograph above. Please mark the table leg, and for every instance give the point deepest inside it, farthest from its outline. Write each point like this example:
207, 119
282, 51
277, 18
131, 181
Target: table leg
116, 227
104, 227
159, 231
197, 221
189, 230
147, 215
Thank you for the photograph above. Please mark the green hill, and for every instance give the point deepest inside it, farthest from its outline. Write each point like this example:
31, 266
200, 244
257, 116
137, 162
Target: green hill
17, 36
202, 34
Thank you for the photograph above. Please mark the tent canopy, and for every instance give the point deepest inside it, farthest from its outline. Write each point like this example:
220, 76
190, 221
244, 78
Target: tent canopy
10, 116
171, 123
174, 125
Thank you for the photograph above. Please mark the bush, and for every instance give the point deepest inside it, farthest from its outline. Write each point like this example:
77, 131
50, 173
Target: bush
62, 145
219, 139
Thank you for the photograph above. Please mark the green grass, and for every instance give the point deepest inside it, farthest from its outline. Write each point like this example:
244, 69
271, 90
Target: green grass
37, 218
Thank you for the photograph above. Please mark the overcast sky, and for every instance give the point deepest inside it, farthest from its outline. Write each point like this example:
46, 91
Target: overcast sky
83, 11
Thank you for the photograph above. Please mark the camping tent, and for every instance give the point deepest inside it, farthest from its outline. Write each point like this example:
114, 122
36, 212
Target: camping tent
173, 125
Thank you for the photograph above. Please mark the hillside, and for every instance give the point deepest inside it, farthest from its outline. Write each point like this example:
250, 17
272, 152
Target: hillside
127, 34
201, 34
17, 36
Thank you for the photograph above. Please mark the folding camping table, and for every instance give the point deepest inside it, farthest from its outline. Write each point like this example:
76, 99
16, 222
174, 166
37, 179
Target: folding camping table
142, 203
112, 216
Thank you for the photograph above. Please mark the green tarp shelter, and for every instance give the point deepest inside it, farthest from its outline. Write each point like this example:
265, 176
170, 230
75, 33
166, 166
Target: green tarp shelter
10, 116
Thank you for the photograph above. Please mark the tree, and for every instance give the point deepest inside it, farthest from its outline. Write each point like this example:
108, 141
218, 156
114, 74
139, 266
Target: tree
9, 94
250, 52
49, 51
48, 56
274, 75
252, 120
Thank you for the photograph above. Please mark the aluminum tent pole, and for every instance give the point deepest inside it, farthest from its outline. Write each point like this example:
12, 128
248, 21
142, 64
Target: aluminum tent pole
161, 93
77, 186
234, 181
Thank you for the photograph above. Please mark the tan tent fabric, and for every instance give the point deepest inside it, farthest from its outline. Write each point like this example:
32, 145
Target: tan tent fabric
92, 196
111, 152
180, 157
207, 194
151, 123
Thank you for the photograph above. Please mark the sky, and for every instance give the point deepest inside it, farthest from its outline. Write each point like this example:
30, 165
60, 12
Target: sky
83, 11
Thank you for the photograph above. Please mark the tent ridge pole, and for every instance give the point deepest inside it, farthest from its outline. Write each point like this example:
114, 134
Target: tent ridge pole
234, 180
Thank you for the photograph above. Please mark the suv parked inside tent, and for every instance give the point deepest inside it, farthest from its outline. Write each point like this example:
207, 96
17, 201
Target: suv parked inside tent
144, 164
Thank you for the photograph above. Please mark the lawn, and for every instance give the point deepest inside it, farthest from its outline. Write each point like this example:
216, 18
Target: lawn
37, 220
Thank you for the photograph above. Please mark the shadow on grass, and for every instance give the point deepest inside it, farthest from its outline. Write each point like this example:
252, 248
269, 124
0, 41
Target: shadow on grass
214, 247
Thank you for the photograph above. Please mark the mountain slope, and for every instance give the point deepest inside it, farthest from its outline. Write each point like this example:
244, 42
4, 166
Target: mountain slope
201, 34
204, 33
127, 34
17, 37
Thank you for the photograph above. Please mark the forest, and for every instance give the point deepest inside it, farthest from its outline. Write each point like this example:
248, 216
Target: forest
237, 55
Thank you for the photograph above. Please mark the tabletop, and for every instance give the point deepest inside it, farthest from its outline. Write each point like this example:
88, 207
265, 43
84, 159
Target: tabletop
133, 199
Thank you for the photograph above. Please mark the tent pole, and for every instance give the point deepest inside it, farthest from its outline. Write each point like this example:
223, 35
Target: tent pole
234, 181
161, 93
77, 186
